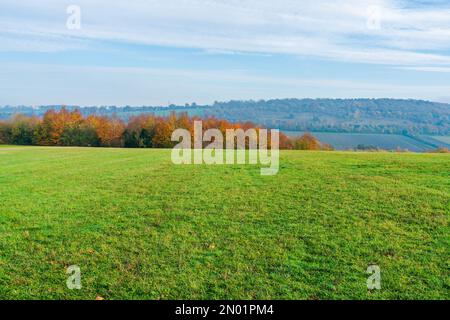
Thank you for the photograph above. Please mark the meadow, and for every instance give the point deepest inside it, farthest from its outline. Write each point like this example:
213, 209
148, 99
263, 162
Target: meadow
140, 227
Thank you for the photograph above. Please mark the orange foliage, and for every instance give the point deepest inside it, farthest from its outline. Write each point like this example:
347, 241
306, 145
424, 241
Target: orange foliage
308, 142
65, 127
163, 133
109, 130
54, 123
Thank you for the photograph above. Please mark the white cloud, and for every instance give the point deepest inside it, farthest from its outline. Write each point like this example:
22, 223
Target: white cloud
428, 69
330, 29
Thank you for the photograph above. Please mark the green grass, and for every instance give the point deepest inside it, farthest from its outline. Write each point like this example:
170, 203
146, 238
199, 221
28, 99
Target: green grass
142, 228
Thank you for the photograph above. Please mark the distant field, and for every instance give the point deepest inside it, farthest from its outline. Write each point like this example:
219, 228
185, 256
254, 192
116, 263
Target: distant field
441, 141
140, 227
345, 141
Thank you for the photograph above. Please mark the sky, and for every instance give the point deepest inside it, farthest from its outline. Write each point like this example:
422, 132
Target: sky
160, 52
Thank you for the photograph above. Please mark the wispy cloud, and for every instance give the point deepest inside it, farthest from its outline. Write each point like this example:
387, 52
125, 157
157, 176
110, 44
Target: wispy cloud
411, 35
429, 69
152, 51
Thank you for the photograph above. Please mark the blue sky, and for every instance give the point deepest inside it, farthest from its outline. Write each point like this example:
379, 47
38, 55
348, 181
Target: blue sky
182, 51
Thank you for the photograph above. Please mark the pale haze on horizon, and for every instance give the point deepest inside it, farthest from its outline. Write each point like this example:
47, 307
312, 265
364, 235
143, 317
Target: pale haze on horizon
181, 51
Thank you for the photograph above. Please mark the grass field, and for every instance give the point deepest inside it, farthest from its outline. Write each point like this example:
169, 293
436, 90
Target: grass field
140, 227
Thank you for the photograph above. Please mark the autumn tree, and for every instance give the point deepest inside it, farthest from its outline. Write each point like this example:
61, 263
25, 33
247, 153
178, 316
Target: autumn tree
139, 131
82, 136
306, 142
109, 130
55, 123
70, 128
285, 143
5, 132
163, 134
22, 129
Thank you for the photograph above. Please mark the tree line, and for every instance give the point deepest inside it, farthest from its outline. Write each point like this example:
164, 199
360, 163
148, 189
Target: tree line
70, 128
388, 116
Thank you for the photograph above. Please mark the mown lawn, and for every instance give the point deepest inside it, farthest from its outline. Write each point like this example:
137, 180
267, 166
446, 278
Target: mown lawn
142, 228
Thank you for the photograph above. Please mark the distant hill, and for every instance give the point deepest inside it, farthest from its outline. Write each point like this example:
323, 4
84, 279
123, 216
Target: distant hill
343, 115
393, 116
